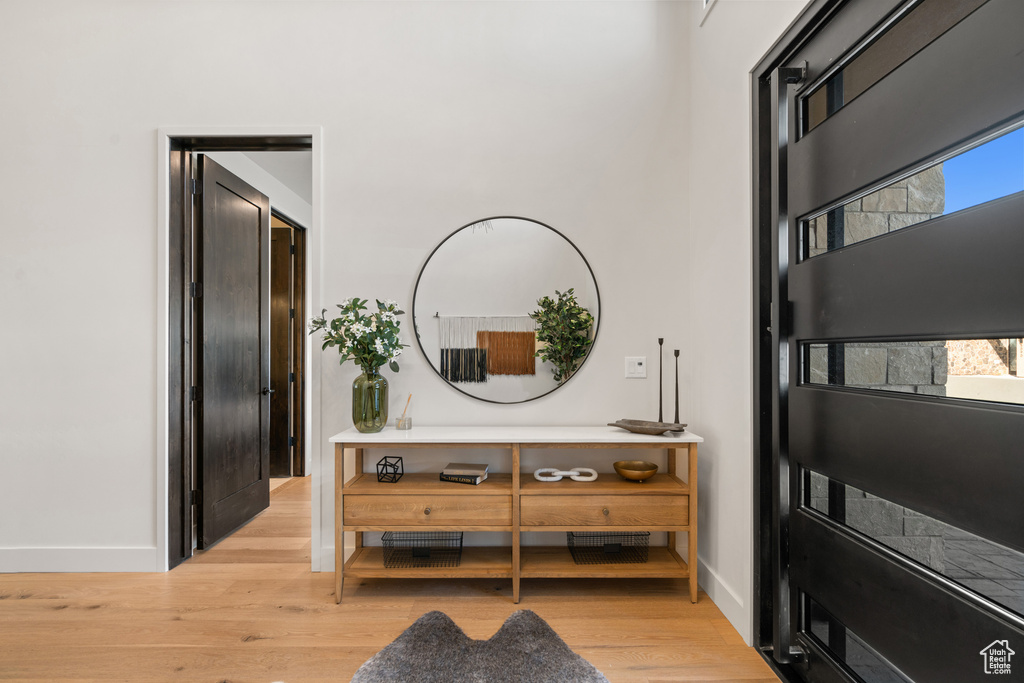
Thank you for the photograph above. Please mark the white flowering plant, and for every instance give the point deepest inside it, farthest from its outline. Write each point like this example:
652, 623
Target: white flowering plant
369, 340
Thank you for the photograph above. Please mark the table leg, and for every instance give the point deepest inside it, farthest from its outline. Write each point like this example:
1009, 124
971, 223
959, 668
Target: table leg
516, 548
691, 558
670, 466
339, 521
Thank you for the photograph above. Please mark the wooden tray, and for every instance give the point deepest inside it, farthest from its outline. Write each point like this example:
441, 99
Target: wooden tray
648, 427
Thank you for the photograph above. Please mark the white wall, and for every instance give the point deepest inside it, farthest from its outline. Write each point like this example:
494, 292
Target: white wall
432, 115
293, 169
623, 125
734, 37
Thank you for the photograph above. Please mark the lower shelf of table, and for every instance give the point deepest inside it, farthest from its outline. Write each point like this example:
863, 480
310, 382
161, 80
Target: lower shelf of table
535, 562
556, 562
477, 562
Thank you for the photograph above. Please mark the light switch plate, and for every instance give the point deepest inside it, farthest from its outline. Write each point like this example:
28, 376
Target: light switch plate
636, 367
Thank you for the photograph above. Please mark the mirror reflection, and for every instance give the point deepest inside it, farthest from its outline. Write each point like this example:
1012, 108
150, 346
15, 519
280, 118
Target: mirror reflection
506, 309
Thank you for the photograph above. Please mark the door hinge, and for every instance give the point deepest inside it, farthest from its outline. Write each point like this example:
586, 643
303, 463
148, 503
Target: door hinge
196, 498
794, 74
195, 289
291, 313
197, 187
291, 248
291, 440
291, 376
193, 393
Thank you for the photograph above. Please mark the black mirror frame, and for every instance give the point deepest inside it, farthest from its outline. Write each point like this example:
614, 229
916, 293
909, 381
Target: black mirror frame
415, 327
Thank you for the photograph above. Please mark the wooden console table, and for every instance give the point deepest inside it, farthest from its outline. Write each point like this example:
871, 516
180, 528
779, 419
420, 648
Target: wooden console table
513, 501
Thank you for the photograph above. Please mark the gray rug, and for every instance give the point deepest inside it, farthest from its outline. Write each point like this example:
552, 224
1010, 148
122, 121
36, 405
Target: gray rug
434, 650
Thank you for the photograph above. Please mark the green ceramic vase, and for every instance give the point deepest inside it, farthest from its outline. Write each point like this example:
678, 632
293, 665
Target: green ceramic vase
370, 401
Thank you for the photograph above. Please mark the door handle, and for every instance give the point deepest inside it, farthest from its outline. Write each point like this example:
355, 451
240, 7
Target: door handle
267, 391
782, 80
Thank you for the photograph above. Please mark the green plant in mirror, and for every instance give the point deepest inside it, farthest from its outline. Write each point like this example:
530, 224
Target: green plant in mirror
370, 340
563, 330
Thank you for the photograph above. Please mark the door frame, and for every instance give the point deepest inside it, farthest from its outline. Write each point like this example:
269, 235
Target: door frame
769, 561
298, 335
173, 473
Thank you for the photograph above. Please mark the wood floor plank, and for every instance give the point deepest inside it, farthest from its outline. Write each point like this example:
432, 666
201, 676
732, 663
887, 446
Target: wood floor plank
250, 609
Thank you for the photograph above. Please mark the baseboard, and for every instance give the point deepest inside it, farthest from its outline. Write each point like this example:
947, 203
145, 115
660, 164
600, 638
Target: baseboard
730, 603
327, 558
14, 560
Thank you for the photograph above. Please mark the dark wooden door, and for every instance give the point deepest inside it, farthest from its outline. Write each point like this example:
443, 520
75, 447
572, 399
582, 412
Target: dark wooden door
280, 350
298, 370
232, 366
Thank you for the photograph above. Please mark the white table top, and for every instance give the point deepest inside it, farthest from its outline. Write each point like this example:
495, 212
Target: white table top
497, 434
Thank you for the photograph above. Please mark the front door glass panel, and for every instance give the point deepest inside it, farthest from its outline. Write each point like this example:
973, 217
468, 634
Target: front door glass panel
973, 177
987, 568
860, 658
880, 54
974, 369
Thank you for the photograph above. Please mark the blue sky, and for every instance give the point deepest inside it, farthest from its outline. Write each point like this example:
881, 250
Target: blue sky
988, 172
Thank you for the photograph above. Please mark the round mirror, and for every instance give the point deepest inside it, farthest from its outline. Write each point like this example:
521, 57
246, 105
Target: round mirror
506, 309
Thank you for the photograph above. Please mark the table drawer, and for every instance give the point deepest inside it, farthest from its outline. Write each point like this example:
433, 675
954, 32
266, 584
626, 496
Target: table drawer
427, 510
596, 510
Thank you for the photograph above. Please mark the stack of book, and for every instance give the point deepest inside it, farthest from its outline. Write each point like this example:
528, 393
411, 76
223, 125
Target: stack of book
464, 473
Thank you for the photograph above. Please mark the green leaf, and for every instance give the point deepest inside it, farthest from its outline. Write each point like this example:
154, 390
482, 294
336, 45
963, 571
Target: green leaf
394, 366
564, 326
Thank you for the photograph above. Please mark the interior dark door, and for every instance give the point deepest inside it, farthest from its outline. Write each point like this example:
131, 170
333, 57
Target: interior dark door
281, 319
897, 530
299, 337
232, 367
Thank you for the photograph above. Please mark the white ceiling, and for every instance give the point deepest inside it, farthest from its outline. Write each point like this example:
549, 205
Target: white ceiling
293, 169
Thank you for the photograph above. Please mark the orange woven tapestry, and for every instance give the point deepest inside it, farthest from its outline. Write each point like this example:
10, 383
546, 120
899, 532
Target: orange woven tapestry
509, 353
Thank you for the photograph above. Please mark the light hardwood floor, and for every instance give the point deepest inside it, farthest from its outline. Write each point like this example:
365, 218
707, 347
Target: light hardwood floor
249, 609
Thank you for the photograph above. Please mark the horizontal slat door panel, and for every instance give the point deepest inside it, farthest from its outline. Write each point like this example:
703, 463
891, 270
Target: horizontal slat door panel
900, 285
390, 511
924, 628
570, 511
910, 115
859, 18
918, 473
920, 453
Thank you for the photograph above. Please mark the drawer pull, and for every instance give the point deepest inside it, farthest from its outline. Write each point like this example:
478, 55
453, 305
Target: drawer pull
426, 511
605, 511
